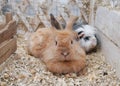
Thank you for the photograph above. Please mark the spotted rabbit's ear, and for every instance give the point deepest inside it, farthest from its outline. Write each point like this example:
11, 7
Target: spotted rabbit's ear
55, 23
80, 34
71, 21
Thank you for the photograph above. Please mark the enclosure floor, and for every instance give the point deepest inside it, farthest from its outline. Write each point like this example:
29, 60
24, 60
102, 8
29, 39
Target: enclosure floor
22, 69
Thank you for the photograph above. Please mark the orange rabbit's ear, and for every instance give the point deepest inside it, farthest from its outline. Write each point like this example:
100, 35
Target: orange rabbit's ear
71, 21
55, 23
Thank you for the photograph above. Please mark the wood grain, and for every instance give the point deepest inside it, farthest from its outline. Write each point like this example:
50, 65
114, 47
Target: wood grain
7, 48
8, 31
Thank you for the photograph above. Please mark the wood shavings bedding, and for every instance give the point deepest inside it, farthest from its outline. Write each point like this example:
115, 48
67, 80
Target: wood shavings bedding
25, 70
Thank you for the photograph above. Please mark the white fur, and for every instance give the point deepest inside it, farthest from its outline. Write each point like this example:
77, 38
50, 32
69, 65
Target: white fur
88, 31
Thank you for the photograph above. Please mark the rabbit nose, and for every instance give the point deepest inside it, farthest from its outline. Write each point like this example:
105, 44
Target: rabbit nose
65, 53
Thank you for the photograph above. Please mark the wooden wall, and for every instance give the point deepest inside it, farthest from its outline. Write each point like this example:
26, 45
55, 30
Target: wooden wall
8, 43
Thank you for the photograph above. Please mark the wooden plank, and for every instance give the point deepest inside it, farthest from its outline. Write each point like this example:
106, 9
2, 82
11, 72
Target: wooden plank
84, 15
43, 18
34, 22
23, 19
8, 32
40, 25
91, 15
7, 48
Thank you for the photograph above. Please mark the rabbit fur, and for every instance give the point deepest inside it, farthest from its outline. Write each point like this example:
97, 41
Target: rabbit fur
86, 34
89, 40
58, 49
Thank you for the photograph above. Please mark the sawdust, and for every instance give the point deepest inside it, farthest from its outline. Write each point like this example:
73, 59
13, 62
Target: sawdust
22, 69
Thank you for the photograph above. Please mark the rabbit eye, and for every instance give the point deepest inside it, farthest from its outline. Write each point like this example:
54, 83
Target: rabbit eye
87, 38
71, 42
77, 38
55, 42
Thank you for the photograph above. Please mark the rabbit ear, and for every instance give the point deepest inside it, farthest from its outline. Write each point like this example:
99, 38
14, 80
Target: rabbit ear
55, 23
71, 21
81, 35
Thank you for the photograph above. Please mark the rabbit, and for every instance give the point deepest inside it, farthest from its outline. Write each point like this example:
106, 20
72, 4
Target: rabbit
86, 34
88, 40
58, 49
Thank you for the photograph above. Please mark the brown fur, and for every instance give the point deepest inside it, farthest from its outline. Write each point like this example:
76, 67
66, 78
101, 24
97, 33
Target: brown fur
55, 23
58, 49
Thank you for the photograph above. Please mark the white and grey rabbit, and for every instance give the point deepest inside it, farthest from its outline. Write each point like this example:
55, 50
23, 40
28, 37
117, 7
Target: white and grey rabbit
88, 40
86, 34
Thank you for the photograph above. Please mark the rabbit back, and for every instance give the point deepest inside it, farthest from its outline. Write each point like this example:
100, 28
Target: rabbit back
37, 42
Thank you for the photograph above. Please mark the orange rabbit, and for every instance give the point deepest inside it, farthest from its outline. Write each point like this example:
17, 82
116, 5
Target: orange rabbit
58, 49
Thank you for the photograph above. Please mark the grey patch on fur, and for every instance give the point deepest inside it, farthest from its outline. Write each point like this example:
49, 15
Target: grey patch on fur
78, 24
